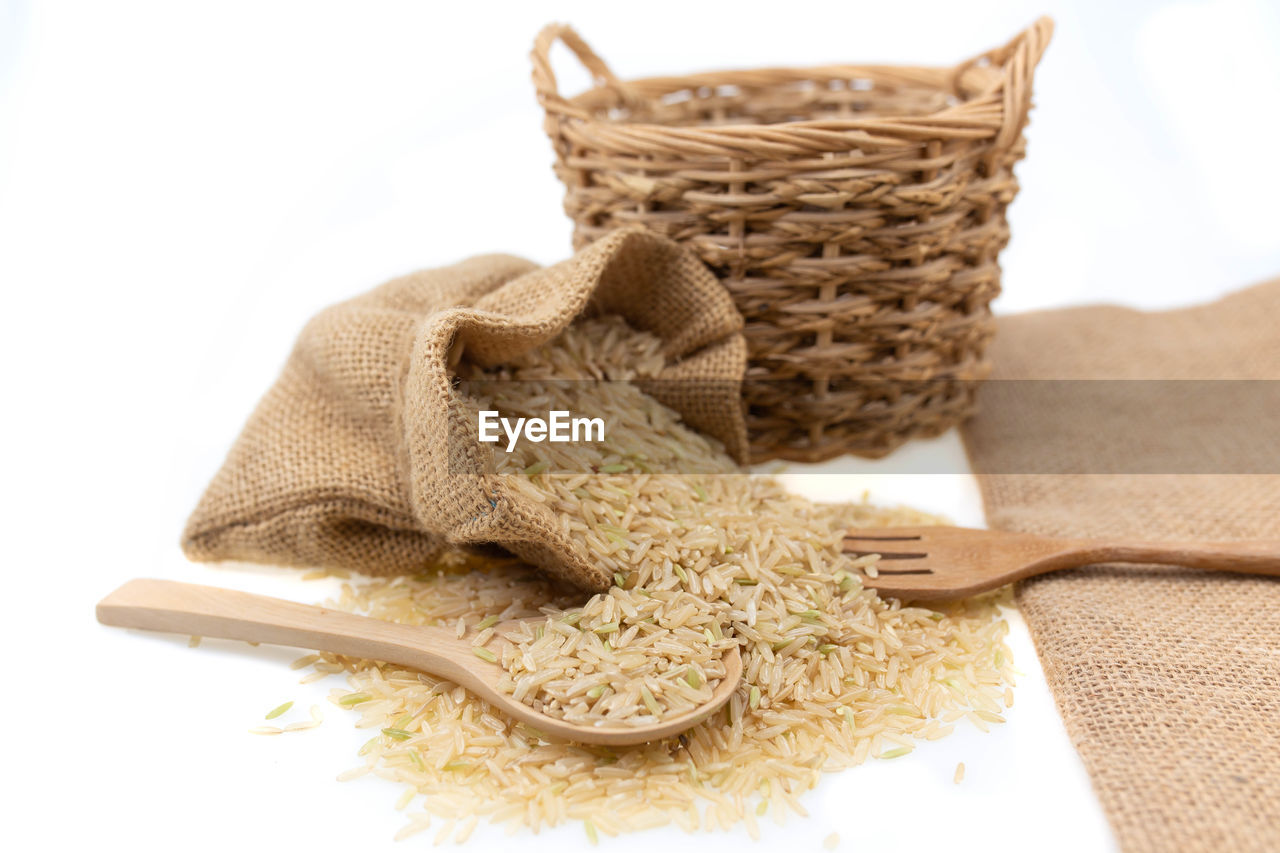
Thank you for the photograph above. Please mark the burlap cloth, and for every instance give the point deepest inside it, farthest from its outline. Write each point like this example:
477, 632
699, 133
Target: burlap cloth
1168, 679
362, 456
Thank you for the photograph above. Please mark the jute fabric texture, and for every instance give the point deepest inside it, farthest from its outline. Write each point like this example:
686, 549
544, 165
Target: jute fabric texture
1168, 679
362, 456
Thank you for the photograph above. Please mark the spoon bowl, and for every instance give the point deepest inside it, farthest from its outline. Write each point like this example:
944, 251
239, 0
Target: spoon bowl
182, 608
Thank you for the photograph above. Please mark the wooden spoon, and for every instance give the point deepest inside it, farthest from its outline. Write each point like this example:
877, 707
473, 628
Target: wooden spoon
181, 608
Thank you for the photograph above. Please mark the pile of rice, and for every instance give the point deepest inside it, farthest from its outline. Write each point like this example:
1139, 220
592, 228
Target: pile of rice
704, 557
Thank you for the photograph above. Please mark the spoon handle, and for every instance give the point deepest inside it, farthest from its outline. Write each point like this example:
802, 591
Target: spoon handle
183, 608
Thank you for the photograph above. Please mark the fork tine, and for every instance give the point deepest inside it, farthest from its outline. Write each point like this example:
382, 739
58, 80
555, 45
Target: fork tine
890, 555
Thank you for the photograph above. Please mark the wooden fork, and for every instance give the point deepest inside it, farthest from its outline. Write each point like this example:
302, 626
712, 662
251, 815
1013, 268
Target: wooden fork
945, 563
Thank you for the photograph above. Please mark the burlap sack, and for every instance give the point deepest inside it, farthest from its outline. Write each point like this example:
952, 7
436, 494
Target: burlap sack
1168, 679
361, 456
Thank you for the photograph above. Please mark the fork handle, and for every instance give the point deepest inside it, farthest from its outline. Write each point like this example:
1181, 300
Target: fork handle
1256, 557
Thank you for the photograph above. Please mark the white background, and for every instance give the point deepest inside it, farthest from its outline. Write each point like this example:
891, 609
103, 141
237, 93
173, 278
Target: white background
182, 185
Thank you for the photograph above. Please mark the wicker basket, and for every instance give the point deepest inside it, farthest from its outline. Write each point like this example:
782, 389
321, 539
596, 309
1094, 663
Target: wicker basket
854, 212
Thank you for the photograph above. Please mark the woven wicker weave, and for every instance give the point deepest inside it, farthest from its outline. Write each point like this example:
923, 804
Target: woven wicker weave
855, 213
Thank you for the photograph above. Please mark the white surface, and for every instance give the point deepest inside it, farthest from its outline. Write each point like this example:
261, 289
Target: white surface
182, 185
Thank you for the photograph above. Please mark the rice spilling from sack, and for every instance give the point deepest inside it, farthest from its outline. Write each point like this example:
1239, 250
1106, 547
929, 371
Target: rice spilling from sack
703, 559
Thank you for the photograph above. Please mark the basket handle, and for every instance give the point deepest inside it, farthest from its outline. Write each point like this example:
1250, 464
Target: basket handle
544, 79
1018, 60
